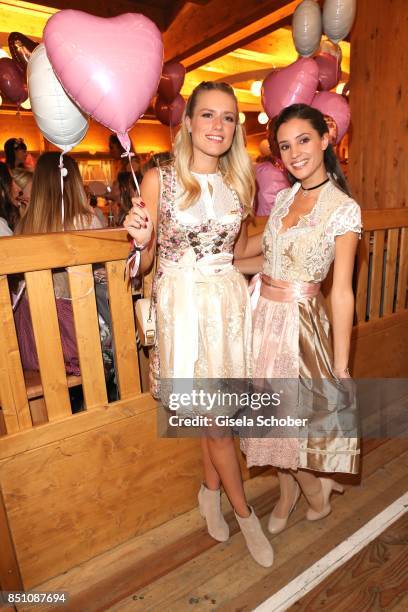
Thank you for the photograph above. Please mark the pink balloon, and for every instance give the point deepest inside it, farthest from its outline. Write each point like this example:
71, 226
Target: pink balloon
294, 84
109, 67
12, 81
329, 70
170, 114
171, 81
334, 106
270, 179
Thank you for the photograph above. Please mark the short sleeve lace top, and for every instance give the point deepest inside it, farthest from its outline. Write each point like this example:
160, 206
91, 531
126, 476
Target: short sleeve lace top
306, 251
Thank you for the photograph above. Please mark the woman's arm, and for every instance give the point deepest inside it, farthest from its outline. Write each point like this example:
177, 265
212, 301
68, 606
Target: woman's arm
141, 221
251, 265
342, 300
246, 246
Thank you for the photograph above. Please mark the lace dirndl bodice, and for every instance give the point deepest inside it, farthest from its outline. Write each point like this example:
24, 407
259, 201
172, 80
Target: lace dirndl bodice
210, 226
305, 252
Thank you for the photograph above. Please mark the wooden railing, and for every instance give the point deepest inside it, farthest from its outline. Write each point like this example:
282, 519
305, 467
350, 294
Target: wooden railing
36, 256
382, 264
108, 459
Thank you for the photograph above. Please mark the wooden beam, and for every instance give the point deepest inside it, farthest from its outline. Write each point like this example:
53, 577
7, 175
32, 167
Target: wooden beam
110, 9
202, 33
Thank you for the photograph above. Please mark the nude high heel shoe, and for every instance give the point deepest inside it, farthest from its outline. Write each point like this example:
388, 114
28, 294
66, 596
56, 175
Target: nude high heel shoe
209, 503
256, 541
328, 486
276, 524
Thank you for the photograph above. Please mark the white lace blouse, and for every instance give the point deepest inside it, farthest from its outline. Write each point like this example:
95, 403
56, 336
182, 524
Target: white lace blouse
306, 251
216, 203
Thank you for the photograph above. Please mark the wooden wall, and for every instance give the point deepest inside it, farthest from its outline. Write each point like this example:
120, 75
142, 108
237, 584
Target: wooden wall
147, 135
378, 98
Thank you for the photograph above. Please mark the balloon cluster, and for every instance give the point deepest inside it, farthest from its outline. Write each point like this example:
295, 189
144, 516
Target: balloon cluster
170, 103
13, 84
81, 71
318, 68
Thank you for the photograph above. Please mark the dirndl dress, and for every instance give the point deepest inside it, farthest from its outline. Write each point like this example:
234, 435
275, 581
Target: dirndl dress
292, 337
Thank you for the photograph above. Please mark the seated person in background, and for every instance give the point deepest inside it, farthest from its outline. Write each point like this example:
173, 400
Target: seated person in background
16, 153
23, 178
93, 202
8, 206
157, 160
44, 215
127, 191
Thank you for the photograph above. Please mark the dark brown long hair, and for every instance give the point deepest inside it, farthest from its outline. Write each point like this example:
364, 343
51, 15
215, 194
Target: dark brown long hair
8, 211
318, 123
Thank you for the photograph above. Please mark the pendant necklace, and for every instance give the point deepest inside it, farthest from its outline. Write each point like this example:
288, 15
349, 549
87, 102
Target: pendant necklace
305, 192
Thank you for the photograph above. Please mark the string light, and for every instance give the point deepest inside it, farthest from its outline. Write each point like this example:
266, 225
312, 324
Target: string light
256, 87
26, 104
263, 118
242, 118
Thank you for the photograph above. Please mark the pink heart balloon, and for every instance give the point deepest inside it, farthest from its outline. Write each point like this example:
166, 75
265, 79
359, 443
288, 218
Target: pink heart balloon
334, 106
329, 70
294, 84
270, 179
109, 67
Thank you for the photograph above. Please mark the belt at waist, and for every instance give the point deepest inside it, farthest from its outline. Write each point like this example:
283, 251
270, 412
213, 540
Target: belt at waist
197, 270
287, 291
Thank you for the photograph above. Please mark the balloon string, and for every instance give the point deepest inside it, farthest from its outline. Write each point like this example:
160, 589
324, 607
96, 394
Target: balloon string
63, 172
129, 155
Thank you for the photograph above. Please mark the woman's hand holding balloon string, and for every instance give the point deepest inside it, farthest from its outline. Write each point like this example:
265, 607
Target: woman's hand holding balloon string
139, 224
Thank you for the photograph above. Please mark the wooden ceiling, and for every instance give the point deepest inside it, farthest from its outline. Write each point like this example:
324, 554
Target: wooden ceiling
238, 41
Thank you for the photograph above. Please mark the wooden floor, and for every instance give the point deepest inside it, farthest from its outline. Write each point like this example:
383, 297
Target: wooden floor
374, 579
178, 567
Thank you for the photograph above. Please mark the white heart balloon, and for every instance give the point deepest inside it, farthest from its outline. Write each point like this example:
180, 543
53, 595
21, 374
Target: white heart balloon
58, 118
307, 27
338, 18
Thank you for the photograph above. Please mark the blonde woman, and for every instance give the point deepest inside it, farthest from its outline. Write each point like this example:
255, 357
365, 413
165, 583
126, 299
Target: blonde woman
23, 178
202, 301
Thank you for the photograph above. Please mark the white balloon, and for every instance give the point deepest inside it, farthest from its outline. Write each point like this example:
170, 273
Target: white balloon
307, 27
338, 18
58, 118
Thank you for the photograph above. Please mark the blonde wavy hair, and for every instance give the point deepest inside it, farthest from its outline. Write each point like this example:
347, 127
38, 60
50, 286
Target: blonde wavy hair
22, 177
234, 165
44, 212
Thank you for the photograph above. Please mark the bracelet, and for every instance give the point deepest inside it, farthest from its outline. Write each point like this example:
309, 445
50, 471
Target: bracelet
139, 247
344, 371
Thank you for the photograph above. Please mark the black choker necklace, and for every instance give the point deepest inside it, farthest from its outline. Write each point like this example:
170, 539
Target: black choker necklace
306, 191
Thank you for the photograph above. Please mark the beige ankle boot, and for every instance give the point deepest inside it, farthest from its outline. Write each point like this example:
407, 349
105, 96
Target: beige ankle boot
257, 542
209, 503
